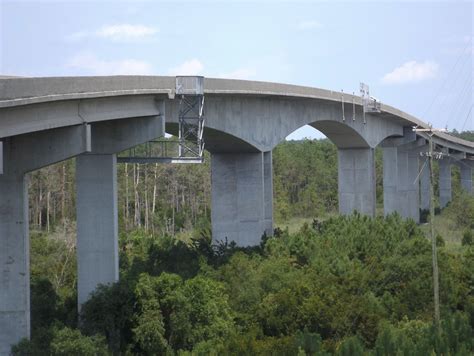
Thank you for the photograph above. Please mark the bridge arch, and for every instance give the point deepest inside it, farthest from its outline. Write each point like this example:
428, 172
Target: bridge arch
264, 121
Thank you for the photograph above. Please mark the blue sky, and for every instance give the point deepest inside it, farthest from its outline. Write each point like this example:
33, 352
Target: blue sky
416, 56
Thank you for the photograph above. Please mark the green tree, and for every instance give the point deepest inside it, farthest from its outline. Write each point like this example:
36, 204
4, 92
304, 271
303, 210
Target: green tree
68, 342
204, 313
109, 312
149, 332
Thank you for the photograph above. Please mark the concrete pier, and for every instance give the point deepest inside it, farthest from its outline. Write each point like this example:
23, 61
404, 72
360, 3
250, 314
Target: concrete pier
466, 177
96, 202
390, 180
268, 193
14, 261
23, 154
97, 223
401, 187
445, 194
356, 180
238, 196
424, 186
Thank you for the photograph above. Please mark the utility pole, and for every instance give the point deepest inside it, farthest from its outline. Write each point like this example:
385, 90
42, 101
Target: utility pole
434, 254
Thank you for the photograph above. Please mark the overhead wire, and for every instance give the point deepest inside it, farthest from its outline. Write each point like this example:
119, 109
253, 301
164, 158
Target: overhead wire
461, 103
467, 117
457, 82
451, 109
447, 77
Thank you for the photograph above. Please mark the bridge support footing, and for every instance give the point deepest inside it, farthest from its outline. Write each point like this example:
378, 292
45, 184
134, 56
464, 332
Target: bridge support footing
400, 184
356, 180
445, 194
97, 223
14, 261
238, 197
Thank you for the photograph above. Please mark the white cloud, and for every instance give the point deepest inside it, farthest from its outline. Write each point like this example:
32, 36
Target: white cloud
119, 32
125, 32
240, 73
190, 67
410, 72
309, 25
91, 65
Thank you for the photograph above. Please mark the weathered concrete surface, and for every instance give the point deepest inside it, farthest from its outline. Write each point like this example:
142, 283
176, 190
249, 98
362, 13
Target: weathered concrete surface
97, 222
465, 168
109, 137
409, 187
26, 153
238, 197
14, 261
400, 181
263, 122
268, 193
356, 181
26, 91
22, 154
17, 120
96, 183
425, 185
1, 157
445, 194
390, 180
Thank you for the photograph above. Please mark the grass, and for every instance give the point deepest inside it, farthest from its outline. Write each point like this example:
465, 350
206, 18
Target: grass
294, 224
444, 226
447, 228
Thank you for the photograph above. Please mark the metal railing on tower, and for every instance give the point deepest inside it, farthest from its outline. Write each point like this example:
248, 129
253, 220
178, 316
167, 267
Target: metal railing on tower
189, 146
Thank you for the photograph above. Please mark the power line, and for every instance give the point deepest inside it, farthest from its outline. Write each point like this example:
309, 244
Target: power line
467, 117
459, 100
463, 99
447, 77
464, 87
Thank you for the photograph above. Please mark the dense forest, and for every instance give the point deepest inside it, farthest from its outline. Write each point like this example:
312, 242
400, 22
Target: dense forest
338, 285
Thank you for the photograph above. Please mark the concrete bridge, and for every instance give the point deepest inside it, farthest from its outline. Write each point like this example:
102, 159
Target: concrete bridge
47, 120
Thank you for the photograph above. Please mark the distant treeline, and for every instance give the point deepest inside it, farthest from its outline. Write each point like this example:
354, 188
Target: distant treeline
166, 198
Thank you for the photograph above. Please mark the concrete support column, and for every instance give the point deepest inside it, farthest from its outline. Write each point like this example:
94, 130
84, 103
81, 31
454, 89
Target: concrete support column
14, 261
238, 197
268, 191
22, 154
466, 177
425, 187
408, 185
400, 181
390, 180
445, 194
1, 157
97, 223
356, 180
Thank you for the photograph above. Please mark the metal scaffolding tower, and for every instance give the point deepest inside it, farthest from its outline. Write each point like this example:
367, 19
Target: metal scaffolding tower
191, 120
189, 148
